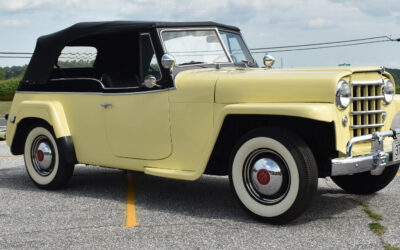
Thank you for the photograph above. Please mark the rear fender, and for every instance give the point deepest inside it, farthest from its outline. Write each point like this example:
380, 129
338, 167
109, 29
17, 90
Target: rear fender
50, 111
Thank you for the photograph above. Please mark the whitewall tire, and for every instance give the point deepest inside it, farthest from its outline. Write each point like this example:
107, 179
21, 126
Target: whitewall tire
44, 163
273, 174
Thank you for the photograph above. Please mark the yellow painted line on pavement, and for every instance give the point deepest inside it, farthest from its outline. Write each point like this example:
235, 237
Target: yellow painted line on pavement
130, 203
11, 157
398, 174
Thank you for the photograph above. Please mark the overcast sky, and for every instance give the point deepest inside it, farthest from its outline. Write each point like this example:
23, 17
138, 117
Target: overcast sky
264, 23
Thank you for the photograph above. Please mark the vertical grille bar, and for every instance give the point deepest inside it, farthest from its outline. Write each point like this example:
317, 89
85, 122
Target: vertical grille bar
378, 104
364, 108
359, 109
372, 107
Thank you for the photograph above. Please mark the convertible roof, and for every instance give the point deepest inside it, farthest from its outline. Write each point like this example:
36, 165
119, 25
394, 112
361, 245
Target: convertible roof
49, 47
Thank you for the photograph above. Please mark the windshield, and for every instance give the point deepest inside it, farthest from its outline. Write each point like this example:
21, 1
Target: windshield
237, 49
194, 46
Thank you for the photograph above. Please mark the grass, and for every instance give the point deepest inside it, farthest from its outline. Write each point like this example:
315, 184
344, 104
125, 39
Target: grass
371, 214
8, 88
390, 247
377, 228
4, 107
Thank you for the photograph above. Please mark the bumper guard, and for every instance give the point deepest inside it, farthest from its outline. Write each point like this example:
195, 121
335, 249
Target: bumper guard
375, 162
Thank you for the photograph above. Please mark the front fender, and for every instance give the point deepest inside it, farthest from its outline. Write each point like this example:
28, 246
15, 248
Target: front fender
325, 112
50, 111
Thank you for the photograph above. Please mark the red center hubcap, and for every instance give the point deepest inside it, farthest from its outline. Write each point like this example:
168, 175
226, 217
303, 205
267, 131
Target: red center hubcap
40, 155
263, 177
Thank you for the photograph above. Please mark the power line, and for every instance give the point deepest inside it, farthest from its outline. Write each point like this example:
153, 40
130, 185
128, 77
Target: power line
321, 47
325, 43
15, 53
26, 57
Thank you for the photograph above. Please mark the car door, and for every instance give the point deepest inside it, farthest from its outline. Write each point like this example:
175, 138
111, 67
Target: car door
137, 123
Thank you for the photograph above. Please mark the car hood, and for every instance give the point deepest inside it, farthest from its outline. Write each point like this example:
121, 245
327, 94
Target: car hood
259, 85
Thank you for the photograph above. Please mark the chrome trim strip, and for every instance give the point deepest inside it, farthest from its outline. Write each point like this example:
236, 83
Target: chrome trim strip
366, 83
367, 126
78, 78
368, 112
95, 93
94, 79
362, 98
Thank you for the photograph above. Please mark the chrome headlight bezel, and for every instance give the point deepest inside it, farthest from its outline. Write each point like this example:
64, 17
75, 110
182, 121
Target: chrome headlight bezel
343, 95
388, 91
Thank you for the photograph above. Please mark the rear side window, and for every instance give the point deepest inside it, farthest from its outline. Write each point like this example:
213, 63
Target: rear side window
77, 57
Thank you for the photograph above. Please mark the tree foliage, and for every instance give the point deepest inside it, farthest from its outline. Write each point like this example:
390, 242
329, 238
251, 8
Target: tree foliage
396, 75
12, 72
76, 64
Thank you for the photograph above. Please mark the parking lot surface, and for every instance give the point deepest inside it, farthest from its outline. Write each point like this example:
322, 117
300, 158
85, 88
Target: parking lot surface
91, 211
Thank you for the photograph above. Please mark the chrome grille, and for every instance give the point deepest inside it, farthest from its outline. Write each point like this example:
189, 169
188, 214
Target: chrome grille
366, 108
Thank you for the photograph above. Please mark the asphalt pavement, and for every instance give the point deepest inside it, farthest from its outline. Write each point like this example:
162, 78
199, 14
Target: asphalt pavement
90, 213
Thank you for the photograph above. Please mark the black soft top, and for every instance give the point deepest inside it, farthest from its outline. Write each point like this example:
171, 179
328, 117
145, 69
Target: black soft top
49, 47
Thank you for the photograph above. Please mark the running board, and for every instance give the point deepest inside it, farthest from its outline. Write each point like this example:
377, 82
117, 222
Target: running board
171, 173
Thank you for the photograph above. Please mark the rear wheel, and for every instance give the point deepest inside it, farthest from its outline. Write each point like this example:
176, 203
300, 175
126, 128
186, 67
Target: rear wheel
365, 183
44, 163
273, 174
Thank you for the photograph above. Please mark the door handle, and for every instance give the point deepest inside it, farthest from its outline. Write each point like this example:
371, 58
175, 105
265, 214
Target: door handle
105, 105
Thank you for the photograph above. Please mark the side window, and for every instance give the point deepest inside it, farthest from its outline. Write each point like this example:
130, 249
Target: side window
77, 57
148, 60
75, 62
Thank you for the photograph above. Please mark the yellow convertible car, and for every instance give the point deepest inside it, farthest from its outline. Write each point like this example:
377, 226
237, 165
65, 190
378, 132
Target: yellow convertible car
179, 100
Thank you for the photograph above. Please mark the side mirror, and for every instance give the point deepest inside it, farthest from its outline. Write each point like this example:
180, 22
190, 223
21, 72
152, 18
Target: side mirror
268, 60
168, 61
150, 82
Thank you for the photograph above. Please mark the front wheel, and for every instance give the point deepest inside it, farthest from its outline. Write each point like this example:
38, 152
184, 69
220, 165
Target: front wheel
44, 163
365, 183
273, 174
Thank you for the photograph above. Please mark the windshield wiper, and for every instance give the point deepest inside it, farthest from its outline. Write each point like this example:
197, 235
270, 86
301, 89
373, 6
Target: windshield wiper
191, 62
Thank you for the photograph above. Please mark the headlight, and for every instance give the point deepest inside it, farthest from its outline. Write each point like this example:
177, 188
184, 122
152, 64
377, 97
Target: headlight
343, 95
387, 91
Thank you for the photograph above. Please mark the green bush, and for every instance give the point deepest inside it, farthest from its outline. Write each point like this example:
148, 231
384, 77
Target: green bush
8, 88
396, 75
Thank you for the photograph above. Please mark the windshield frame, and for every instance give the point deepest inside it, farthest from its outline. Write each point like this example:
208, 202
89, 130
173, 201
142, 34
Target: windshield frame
254, 62
194, 29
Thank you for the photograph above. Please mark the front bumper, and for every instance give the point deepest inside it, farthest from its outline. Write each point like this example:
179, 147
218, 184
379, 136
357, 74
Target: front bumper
375, 162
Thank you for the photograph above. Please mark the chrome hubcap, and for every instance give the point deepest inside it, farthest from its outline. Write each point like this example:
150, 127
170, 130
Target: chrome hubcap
42, 156
266, 176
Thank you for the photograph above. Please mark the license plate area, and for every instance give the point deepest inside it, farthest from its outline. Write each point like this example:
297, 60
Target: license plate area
396, 150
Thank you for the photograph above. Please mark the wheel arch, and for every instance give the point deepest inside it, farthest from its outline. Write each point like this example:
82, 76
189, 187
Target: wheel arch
64, 143
30, 112
311, 131
49, 114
